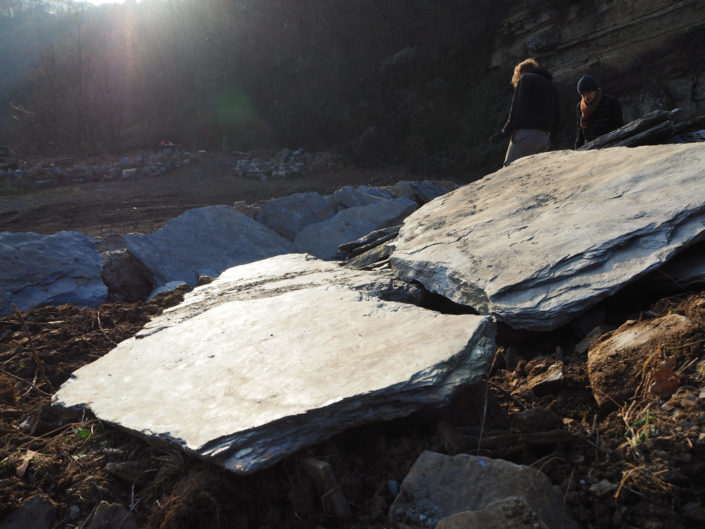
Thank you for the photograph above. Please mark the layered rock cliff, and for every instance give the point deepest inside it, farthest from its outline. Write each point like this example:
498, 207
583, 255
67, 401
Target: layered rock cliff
649, 53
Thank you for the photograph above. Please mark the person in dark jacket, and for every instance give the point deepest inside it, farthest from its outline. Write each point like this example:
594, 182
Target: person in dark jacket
598, 113
534, 115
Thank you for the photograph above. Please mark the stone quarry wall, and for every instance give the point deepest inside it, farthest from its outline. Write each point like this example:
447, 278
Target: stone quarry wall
649, 53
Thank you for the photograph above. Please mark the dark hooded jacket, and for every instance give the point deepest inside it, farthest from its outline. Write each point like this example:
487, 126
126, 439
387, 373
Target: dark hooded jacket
534, 105
606, 118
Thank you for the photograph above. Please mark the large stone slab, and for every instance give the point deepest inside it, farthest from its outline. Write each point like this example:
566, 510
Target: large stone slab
204, 241
439, 486
323, 238
287, 215
350, 197
276, 355
49, 269
540, 241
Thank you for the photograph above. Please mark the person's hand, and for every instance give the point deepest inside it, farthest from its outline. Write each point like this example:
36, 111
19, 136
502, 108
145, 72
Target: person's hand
496, 137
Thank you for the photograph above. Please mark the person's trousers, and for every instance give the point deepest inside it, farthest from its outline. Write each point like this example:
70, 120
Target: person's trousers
525, 142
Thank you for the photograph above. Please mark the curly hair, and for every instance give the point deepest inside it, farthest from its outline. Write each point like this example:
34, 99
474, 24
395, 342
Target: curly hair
525, 66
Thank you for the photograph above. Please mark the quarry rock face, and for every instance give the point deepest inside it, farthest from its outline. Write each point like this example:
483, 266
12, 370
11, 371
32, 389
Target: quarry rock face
540, 241
277, 355
37, 269
614, 32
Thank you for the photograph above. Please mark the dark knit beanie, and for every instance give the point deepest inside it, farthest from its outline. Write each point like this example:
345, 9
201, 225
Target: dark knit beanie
587, 83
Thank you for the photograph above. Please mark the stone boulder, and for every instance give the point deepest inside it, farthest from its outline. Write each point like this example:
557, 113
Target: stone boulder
288, 215
421, 191
542, 240
125, 276
323, 238
49, 269
204, 241
439, 487
276, 355
350, 197
111, 516
36, 512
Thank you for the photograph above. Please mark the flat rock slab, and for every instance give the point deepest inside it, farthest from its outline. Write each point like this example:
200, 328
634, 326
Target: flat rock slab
49, 269
288, 215
542, 240
204, 241
438, 486
277, 355
323, 238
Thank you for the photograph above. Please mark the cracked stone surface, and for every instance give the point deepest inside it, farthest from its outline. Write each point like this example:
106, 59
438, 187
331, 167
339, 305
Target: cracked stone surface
277, 355
542, 240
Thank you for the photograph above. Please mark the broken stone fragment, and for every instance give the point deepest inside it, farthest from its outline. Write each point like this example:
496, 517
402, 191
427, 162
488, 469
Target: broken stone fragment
440, 486
125, 276
547, 382
37, 512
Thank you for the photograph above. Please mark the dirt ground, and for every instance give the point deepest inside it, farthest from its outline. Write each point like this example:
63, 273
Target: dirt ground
638, 465
145, 204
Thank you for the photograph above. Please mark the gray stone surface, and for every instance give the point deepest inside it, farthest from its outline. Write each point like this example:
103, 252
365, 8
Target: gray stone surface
540, 241
36, 512
350, 197
287, 215
204, 241
421, 191
323, 238
276, 355
438, 486
111, 516
55, 269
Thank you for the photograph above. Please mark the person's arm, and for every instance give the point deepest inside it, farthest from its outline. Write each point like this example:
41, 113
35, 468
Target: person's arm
580, 138
520, 105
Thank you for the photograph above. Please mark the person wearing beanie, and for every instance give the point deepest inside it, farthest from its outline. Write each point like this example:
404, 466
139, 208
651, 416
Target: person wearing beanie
534, 115
598, 113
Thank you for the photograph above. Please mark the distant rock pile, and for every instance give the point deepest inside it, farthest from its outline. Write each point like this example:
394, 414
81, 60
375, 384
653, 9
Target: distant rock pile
64, 172
285, 164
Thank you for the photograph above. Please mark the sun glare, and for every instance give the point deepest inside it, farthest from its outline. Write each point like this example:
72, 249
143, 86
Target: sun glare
100, 2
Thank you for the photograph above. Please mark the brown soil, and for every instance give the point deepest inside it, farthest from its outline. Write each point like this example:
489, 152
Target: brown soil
650, 451
144, 205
